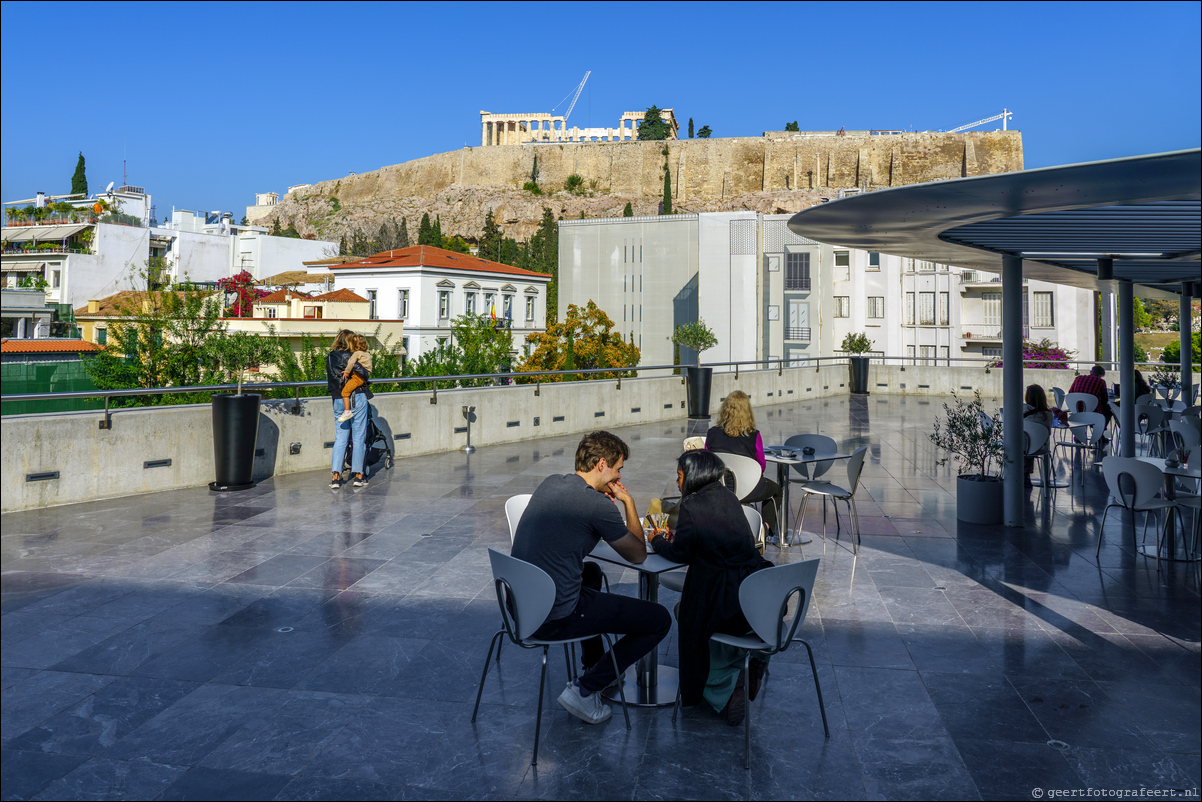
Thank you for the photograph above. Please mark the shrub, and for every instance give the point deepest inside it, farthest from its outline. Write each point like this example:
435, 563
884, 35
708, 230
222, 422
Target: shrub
574, 184
1042, 354
532, 188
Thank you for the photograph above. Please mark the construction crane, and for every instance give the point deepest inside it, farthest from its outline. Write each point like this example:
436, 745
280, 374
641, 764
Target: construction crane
1004, 117
575, 97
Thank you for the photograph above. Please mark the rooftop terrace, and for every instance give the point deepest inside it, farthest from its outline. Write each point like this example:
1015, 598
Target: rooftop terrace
292, 642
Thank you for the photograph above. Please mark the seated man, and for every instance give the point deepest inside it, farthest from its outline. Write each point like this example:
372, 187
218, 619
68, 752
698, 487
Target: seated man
566, 517
1095, 385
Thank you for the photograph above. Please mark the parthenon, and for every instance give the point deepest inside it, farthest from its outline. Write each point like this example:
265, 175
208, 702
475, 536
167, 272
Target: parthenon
516, 129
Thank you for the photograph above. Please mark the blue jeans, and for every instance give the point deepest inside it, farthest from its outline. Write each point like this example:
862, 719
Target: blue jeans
356, 427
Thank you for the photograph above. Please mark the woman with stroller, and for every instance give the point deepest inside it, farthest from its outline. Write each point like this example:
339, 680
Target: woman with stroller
356, 427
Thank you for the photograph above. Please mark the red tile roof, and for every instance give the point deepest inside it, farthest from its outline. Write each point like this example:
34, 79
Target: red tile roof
340, 295
280, 297
429, 256
40, 346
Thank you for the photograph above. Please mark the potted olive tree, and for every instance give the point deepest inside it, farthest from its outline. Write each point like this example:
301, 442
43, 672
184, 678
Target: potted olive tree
855, 346
236, 416
974, 440
696, 337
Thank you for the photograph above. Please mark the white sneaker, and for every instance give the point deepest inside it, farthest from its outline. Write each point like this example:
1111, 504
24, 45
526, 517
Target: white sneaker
589, 709
345, 416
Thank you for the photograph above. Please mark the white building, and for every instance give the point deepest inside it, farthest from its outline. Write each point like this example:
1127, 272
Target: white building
770, 294
428, 287
85, 252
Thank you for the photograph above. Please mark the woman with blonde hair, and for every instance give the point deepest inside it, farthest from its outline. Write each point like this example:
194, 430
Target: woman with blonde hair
736, 434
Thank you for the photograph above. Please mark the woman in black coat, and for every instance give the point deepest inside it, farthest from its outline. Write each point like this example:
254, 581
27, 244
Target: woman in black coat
714, 539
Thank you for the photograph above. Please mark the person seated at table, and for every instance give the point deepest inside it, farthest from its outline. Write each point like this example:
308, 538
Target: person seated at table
1142, 387
565, 519
1095, 385
713, 538
1036, 409
736, 434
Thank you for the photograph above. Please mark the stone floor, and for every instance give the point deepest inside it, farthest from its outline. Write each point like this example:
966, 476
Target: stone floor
290, 642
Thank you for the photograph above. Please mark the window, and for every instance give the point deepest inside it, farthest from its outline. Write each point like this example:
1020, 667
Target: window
874, 261
312, 312
910, 351
56, 279
842, 266
924, 266
102, 336
490, 301
444, 304
270, 312
797, 271
876, 306
402, 304
926, 309
992, 351
372, 312
842, 306
507, 306
1044, 316
945, 352
529, 307
909, 309
469, 303
926, 352
992, 304
944, 308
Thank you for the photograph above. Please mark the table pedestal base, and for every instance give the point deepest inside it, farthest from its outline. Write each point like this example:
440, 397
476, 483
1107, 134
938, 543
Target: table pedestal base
1150, 551
662, 694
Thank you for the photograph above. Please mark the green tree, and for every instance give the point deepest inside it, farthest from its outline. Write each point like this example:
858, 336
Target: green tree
229, 353
476, 346
653, 127
574, 184
276, 230
690, 128
455, 244
437, 232
79, 180
490, 239
244, 285
585, 340
705, 132
792, 126
425, 231
667, 202
403, 236
342, 248
628, 210
1172, 351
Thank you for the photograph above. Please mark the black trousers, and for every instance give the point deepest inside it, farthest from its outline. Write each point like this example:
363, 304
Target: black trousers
641, 624
767, 490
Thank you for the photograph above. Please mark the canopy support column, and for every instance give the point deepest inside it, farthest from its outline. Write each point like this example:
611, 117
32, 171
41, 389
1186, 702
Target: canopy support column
1127, 367
1106, 297
1012, 388
1185, 324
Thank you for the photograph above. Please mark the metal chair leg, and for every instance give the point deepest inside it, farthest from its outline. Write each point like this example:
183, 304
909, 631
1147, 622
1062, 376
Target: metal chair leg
538, 721
746, 711
676, 706
817, 686
609, 646
487, 660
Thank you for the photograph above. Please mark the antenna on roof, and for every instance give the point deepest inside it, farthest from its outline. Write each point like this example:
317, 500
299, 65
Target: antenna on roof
109, 189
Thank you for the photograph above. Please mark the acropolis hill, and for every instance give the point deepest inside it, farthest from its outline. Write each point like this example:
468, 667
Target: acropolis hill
777, 173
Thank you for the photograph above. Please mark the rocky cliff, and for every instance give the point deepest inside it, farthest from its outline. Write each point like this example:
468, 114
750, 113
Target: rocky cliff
771, 175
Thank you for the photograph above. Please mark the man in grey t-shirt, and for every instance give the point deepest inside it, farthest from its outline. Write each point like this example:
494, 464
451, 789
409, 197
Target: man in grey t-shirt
566, 517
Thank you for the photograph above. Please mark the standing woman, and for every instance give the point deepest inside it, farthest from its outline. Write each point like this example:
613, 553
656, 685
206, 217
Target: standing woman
715, 540
356, 427
736, 434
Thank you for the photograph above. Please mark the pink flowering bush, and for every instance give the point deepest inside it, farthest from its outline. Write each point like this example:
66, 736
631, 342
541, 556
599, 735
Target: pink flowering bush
1042, 354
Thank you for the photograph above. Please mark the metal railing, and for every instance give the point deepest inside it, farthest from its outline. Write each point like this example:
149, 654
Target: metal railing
797, 333
981, 331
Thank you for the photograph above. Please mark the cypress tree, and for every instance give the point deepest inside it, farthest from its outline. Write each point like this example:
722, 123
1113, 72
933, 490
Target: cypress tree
437, 235
425, 231
628, 210
690, 128
403, 237
342, 246
79, 181
667, 185
490, 238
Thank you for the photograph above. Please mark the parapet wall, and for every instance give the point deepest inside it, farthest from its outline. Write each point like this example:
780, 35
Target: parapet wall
701, 168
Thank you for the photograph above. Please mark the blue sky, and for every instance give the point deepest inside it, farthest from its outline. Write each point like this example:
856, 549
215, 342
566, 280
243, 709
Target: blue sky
212, 102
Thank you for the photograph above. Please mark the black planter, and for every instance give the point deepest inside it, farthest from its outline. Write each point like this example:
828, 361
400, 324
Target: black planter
979, 499
857, 367
235, 431
697, 386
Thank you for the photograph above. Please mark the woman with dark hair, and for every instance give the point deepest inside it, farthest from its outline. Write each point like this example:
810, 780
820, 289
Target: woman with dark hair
714, 539
736, 434
1036, 408
356, 427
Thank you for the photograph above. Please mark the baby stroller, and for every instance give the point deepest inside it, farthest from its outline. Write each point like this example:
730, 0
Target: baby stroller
378, 447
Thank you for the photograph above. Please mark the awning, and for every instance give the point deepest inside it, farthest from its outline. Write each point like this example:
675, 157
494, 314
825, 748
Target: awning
42, 233
22, 267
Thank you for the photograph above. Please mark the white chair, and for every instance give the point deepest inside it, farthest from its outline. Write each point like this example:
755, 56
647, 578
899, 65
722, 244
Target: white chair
526, 594
855, 466
1134, 485
674, 580
1185, 435
806, 473
514, 507
1058, 394
747, 473
1083, 438
1149, 424
1080, 402
1035, 437
1146, 398
764, 598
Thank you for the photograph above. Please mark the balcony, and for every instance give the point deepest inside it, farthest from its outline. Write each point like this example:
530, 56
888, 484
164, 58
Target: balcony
797, 284
976, 278
986, 333
797, 333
